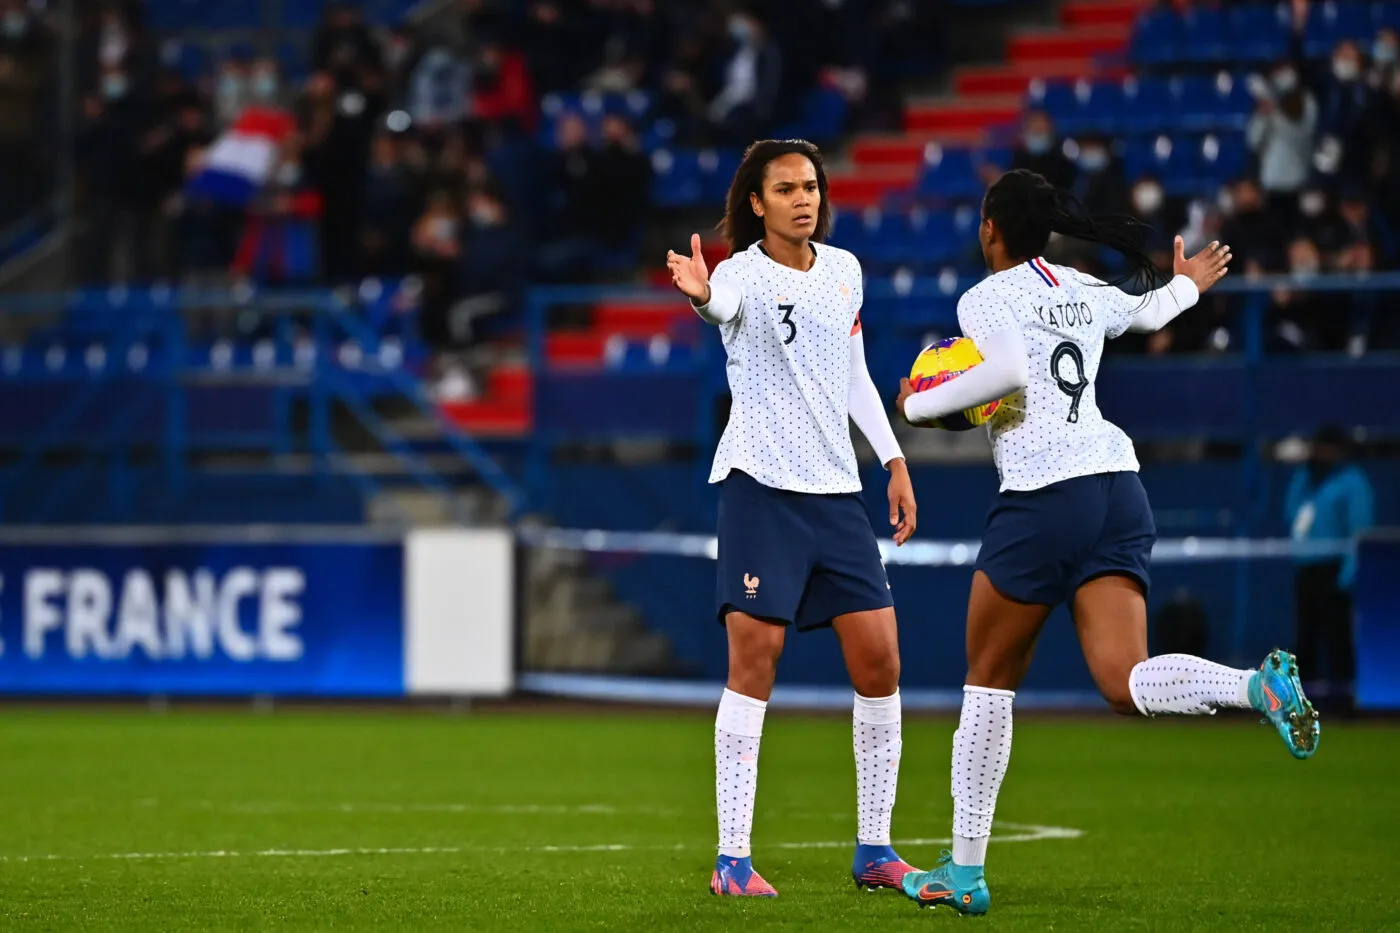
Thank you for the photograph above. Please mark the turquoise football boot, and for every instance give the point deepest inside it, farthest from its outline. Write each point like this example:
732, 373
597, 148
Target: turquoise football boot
1276, 691
960, 887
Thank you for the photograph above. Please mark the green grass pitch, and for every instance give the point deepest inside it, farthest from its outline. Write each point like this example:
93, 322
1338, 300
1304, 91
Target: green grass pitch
603, 820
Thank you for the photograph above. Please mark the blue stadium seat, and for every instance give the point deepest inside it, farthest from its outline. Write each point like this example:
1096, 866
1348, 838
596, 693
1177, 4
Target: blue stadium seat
717, 168
1156, 37
1174, 162
1224, 157
676, 178
301, 14
1202, 37
822, 118
1258, 32
1330, 23
949, 173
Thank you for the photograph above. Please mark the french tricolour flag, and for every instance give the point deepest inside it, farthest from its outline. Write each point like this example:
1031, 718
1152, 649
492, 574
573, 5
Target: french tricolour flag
242, 158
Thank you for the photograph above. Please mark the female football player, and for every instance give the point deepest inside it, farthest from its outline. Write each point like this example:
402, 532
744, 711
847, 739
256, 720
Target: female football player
1072, 522
795, 542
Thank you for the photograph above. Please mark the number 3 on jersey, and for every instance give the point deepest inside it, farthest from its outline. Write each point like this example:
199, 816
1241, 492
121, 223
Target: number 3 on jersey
1067, 369
789, 322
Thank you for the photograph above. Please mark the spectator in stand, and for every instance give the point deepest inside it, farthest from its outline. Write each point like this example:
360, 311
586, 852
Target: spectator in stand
1385, 59
579, 203
177, 127
624, 173
1281, 132
492, 271
1252, 230
339, 116
1383, 142
231, 91
435, 253
393, 201
344, 45
1101, 183
636, 45
502, 88
562, 40
107, 142
1039, 151
25, 74
1159, 214
752, 81
439, 88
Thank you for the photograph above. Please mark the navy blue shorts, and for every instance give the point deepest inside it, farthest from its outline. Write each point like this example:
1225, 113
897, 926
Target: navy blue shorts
796, 557
1042, 545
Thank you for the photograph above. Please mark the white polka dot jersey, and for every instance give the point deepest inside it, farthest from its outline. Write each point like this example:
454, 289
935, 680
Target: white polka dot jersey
1052, 430
789, 370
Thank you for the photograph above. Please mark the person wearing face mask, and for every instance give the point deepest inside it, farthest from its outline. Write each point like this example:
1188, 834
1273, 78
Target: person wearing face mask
1345, 99
1100, 184
752, 80
1329, 498
1281, 132
1039, 151
1151, 207
1385, 58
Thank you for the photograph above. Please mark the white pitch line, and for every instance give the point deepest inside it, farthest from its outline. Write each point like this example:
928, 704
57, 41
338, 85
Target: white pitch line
508, 809
1027, 832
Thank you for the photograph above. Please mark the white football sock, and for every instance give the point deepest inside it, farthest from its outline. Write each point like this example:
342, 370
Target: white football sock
1187, 686
981, 752
877, 745
738, 726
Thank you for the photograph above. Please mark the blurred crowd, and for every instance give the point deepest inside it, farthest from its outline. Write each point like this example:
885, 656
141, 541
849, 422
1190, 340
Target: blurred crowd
421, 151
1322, 194
28, 109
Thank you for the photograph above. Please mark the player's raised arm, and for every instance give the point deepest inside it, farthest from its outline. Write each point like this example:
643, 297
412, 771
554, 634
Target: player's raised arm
1191, 280
716, 302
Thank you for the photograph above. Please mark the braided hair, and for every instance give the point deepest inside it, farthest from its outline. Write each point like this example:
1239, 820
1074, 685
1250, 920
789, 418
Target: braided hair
1026, 209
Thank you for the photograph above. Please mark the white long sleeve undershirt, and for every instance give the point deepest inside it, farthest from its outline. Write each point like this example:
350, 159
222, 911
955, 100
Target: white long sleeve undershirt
868, 409
1162, 305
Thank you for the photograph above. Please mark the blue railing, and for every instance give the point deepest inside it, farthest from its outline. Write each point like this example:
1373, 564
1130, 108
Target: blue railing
120, 370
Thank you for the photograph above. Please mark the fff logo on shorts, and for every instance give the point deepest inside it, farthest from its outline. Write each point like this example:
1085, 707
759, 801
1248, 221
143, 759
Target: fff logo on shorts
750, 586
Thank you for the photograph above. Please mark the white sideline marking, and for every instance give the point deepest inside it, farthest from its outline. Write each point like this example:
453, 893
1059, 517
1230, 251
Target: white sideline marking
1026, 832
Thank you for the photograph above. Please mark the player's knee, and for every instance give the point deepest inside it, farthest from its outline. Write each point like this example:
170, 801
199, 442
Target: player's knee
1120, 696
877, 676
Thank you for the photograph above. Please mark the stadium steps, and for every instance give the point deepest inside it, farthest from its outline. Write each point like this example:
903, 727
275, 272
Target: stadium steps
1082, 42
987, 100
574, 622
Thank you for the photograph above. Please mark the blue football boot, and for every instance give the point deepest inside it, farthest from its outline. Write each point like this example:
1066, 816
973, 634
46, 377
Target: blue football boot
1276, 691
960, 887
877, 867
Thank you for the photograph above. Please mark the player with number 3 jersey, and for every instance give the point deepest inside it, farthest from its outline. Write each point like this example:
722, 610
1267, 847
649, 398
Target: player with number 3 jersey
795, 542
1072, 522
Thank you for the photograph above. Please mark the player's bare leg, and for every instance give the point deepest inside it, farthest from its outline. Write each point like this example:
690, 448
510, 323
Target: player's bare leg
1110, 615
754, 649
870, 643
1001, 635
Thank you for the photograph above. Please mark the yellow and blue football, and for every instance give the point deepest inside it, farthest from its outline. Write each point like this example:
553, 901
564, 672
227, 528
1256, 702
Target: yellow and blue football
949, 359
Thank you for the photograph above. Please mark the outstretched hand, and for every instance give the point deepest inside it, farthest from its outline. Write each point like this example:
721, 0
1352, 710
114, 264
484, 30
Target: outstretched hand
688, 273
1206, 267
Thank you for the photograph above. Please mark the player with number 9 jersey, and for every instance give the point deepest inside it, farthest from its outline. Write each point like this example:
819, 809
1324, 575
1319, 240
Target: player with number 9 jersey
1072, 523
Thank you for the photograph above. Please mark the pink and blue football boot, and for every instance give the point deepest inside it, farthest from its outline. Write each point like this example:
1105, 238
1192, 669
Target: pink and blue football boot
735, 877
878, 867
